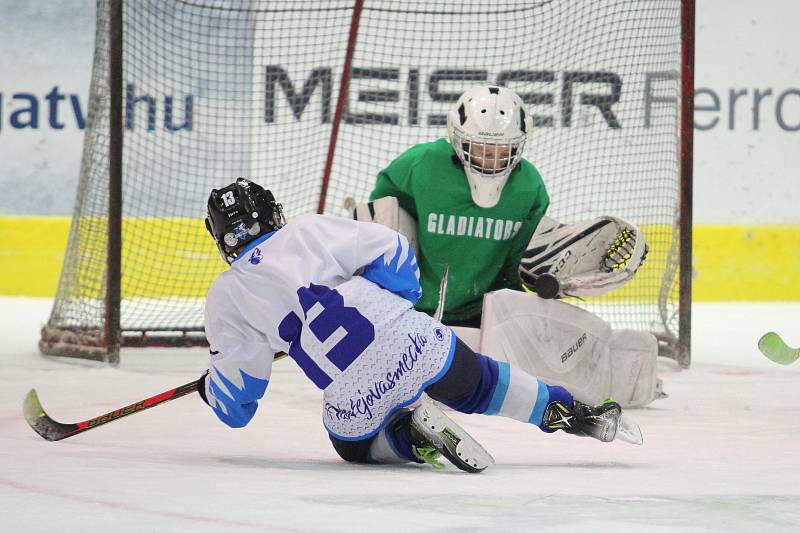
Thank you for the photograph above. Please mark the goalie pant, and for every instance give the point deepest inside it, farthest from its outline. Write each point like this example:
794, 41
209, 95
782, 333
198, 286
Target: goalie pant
336, 295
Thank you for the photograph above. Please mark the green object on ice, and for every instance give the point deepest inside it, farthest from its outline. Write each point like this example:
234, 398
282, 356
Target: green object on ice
773, 347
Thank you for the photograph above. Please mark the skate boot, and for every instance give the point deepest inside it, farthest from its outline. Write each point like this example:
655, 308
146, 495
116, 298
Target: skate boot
433, 433
604, 422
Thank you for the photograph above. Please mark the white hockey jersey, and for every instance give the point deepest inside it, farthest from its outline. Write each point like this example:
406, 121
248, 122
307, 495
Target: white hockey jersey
337, 296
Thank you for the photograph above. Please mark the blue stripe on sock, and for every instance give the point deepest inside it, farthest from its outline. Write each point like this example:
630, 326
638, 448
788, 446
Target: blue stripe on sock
542, 399
503, 378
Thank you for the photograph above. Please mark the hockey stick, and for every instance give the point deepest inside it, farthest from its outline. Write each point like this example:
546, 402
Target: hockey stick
773, 347
442, 294
51, 430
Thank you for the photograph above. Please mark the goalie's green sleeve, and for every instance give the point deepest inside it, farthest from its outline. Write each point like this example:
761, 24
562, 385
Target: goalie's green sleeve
483, 246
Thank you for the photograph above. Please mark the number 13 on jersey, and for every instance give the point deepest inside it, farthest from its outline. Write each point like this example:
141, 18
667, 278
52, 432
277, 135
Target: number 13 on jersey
359, 332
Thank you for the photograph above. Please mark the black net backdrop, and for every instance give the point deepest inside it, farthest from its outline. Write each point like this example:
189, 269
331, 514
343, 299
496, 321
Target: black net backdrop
215, 89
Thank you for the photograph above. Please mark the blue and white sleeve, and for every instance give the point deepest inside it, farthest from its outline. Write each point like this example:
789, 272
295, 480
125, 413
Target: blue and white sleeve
240, 368
391, 264
238, 377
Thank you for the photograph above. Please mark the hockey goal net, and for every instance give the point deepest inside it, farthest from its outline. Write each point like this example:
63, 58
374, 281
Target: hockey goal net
313, 98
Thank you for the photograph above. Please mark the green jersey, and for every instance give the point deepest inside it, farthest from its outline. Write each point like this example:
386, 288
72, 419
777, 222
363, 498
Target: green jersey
483, 246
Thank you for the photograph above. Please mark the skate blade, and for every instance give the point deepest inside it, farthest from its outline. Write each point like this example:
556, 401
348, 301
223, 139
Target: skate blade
473, 454
628, 431
455, 444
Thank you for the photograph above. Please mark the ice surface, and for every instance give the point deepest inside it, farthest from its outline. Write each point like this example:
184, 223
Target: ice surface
720, 454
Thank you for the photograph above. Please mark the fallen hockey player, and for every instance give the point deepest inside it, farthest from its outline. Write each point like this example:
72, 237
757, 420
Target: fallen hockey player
337, 295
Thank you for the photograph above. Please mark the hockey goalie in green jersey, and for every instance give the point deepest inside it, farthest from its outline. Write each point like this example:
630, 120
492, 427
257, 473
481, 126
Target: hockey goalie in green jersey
476, 201
472, 206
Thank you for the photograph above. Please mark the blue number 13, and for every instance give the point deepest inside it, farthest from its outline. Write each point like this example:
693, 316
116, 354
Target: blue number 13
359, 331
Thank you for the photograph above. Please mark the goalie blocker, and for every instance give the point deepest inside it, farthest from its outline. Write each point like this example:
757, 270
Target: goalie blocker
557, 341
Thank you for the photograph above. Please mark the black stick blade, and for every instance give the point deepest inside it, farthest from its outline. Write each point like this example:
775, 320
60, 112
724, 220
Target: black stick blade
42, 424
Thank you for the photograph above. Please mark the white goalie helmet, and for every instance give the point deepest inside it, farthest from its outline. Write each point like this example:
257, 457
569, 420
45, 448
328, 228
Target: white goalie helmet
488, 128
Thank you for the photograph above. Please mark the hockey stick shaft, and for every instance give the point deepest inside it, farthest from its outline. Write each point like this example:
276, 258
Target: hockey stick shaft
437, 315
51, 430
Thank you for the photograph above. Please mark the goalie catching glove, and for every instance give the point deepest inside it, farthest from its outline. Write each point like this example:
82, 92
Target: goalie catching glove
584, 259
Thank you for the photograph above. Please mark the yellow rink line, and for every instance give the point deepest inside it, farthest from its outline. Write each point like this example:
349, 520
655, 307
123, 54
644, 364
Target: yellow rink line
758, 263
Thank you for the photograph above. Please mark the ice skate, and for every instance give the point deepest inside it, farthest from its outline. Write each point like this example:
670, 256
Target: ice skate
433, 433
604, 422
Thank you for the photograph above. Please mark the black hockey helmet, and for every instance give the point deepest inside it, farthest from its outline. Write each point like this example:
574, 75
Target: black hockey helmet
240, 213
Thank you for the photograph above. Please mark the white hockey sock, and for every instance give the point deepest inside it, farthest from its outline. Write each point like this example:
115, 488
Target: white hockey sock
518, 395
382, 450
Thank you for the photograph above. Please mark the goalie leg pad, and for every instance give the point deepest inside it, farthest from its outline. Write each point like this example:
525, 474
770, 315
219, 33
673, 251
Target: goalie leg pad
554, 341
564, 345
634, 356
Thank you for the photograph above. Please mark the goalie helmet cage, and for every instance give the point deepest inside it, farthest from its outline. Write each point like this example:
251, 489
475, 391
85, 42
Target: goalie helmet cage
311, 99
